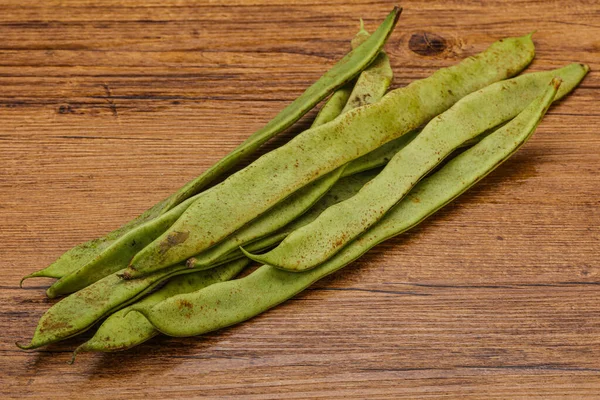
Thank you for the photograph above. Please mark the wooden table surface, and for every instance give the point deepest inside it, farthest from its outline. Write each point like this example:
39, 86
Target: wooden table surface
107, 107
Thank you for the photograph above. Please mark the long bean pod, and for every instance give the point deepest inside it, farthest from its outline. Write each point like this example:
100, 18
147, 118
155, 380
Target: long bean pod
78, 312
121, 332
116, 256
228, 303
476, 113
365, 91
341, 73
132, 329
120, 253
248, 193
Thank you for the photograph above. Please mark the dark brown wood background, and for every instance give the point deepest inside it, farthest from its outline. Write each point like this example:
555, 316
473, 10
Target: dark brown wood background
107, 107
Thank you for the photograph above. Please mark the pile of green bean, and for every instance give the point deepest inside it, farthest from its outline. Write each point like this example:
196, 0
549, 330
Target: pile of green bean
366, 170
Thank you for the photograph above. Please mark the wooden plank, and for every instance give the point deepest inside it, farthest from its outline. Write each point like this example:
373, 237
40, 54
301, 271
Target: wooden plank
108, 107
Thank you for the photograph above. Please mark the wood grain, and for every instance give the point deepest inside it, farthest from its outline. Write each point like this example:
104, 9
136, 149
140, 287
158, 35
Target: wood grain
107, 107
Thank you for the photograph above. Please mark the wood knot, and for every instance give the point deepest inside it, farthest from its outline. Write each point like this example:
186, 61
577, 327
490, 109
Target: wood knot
65, 109
427, 44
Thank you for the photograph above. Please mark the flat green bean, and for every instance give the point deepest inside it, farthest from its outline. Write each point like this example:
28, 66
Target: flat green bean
122, 332
79, 311
340, 74
226, 250
114, 293
116, 256
248, 193
476, 113
369, 90
228, 303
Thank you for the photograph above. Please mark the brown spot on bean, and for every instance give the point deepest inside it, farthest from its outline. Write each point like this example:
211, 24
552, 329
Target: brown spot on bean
51, 325
173, 239
184, 303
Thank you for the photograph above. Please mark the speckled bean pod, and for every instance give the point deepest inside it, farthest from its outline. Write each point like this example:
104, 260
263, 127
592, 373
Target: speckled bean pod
121, 332
341, 73
223, 209
78, 312
228, 303
476, 113
369, 90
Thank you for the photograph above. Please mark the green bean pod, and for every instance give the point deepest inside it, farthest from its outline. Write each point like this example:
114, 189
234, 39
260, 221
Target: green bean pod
229, 303
78, 312
369, 90
340, 74
476, 113
116, 256
121, 332
227, 250
112, 291
245, 195
120, 253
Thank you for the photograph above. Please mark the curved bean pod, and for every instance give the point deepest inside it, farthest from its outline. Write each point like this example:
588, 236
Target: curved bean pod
365, 91
341, 190
476, 113
78, 312
121, 251
220, 210
229, 303
278, 216
121, 332
116, 256
341, 73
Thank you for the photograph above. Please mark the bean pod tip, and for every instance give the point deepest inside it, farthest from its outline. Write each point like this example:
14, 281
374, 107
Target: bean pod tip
24, 347
253, 257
